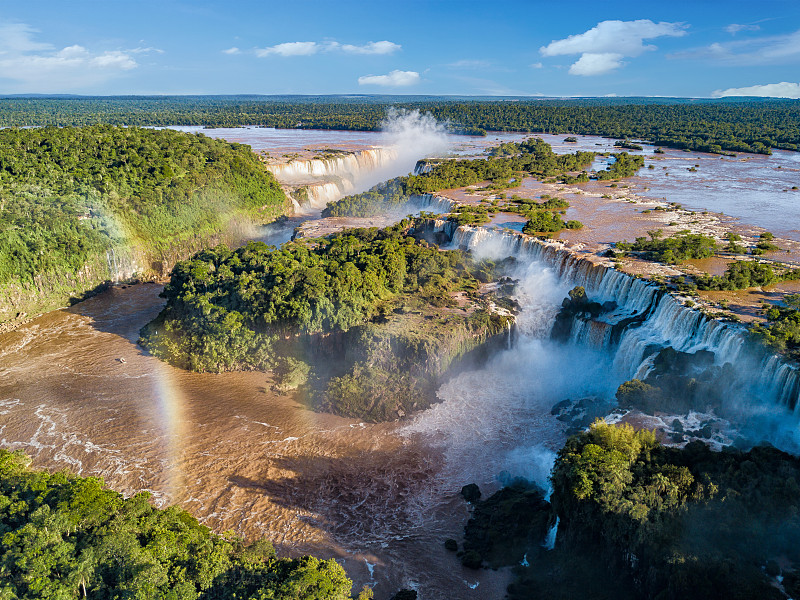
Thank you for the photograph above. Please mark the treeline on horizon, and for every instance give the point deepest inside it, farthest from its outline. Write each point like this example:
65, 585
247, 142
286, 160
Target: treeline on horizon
709, 126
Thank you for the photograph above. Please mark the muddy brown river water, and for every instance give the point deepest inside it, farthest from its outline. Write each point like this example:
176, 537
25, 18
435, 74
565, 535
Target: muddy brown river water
77, 393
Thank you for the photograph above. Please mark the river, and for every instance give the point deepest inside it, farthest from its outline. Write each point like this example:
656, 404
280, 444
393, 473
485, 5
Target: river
76, 392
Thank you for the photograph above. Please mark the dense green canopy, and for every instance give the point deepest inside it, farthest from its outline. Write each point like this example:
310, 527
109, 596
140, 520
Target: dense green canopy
226, 307
65, 537
69, 191
685, 523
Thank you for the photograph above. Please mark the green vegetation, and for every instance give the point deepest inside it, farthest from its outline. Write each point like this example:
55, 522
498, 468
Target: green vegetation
360, 313
80, 197
742, 274
505, 526
376, 201
624, 165
641, 520
700, 523
782, 329
751, 125
468, 214
65, 537
507, 162
683, 245
765, 244
546, 221
505, 167
627, 145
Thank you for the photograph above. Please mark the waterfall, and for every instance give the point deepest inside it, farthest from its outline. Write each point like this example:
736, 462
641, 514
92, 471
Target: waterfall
550, 538
350, 166
328, 179
642, 318
423, 166
431, 203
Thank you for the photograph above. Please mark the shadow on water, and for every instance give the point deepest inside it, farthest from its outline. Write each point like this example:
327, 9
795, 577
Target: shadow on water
365, 497
121, 309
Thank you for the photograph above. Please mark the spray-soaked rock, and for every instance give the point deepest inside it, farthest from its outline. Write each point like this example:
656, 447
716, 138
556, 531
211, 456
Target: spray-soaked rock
471, 493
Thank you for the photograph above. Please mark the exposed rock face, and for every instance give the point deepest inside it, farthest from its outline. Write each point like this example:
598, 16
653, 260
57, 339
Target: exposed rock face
387, 370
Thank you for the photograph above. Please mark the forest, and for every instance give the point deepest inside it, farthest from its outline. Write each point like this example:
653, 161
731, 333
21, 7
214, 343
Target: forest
226, 307
362, 321
753, 125
68, 195
700, 523
66, 536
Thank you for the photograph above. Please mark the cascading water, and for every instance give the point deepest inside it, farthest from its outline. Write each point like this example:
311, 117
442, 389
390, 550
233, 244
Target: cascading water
350, 166
407, 137
643, 318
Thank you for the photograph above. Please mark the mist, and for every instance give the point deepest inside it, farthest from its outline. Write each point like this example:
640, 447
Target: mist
412, 136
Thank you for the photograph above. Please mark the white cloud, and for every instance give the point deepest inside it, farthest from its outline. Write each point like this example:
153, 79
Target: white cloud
113, 60
735, 28
395, 78
142, 50
17, 37
289, 49
784, 89
33, 66
309, 48
383, 47
754, 51
537, 65
596, 64
233, 50
602, 47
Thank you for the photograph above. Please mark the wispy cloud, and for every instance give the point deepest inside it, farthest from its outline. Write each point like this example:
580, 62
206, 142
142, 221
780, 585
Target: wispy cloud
395, 78
537, 65
784, 89
309, 48
603, 47
231, 51
735, 28
35, 66
470, 64
384, 47
754, 51
289, 49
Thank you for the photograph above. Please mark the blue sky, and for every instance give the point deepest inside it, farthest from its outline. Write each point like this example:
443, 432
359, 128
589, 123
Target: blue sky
464, 47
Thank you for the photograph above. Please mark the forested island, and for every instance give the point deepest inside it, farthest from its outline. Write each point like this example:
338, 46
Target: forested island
733, 125
79, 206
365, 322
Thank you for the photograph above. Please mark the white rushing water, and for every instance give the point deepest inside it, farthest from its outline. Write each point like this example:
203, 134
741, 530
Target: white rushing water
406, 137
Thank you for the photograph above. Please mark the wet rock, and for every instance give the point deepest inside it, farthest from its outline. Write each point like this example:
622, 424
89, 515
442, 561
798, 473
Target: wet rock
405, 595
472, 559
677, 426
559, 407
451, 544
471, 493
